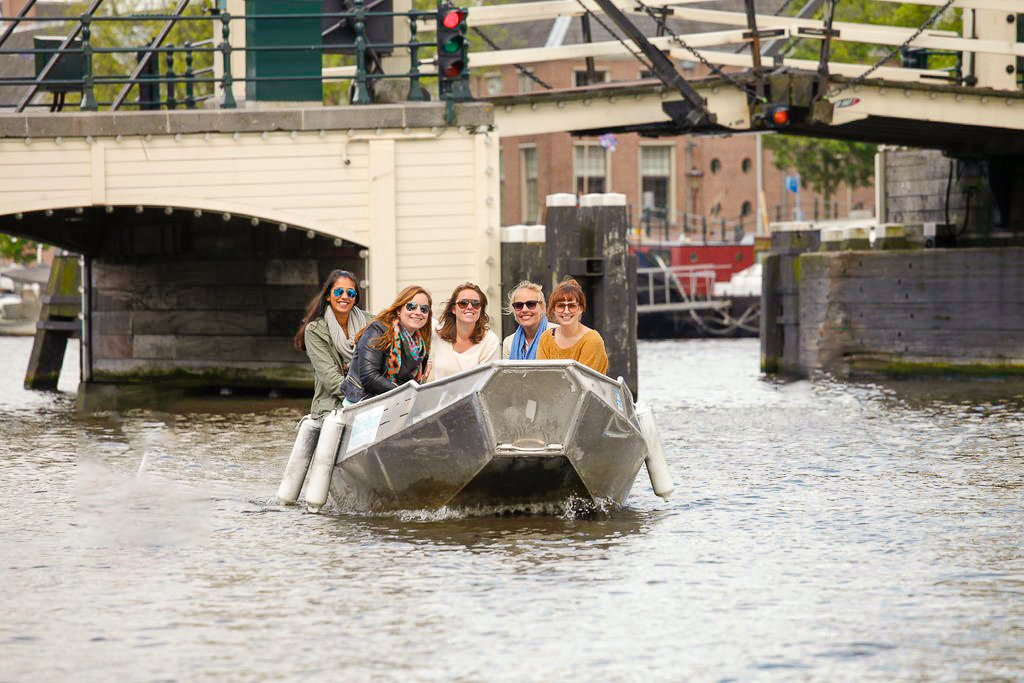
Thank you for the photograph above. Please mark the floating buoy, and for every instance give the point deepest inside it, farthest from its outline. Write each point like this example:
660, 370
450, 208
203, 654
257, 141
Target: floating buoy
298, 462
323, 461
657, 468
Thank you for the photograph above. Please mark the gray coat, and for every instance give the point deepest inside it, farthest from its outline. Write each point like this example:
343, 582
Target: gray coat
329, 369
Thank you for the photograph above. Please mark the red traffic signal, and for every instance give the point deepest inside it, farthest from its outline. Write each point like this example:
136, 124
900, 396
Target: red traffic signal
452, 18
778, 116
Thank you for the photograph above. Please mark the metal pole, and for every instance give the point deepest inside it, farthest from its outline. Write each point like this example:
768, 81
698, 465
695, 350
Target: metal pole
190, 94
172, 102
760, 214
227, 82
361, 96
416, 93
88, 95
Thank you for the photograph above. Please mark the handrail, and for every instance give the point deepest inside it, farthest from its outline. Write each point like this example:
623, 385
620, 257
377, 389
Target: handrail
52, 62
171, 76
144, 62
25, 9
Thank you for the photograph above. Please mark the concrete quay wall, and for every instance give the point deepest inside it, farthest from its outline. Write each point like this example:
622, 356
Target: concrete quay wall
897, 313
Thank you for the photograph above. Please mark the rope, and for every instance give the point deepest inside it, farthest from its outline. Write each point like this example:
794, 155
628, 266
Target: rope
519, 67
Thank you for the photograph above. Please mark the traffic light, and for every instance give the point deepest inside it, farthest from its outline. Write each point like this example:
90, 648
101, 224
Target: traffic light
452, 53
778, 116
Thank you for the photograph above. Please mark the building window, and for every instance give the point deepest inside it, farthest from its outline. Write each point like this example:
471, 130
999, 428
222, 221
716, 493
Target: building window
656, 177
493, 84
580, 78
525, 83
746, 209
745, 165
591, 164
716, 165
528, 164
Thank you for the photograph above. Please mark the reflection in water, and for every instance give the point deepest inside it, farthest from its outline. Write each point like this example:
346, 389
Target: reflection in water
820, 531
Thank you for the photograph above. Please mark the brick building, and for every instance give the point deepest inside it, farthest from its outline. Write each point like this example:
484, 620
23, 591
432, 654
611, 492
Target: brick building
687, 177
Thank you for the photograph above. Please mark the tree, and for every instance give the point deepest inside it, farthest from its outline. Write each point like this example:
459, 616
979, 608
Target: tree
17, 249
874, 12
824, 165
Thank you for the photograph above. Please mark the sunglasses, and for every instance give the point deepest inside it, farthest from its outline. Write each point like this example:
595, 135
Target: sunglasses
466, 303
568, 306
530, 305
352, 293
412, 306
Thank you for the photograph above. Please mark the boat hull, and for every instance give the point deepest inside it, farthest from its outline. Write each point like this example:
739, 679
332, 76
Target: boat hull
508, 435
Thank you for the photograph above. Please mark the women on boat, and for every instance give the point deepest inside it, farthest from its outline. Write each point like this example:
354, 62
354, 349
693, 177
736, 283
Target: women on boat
572, 340
526, 303
393, 349
327, 335
462, 338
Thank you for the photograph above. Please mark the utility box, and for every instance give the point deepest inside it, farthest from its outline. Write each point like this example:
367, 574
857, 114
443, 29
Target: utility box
70, 66
297, 72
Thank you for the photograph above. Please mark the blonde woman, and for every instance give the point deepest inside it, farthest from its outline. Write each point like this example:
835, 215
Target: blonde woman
572, 340
463, 339
526, 303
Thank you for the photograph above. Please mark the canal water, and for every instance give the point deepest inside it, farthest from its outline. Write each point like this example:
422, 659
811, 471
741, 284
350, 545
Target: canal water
820, 531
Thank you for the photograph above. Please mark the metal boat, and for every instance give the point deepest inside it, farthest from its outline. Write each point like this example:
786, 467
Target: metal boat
508, 435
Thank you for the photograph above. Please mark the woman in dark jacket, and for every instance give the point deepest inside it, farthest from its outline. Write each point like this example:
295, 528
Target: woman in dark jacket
328, 336
393, 349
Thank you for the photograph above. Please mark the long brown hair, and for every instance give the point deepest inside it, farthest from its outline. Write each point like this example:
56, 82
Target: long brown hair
483, 323
567, 290
389, 315
318, 304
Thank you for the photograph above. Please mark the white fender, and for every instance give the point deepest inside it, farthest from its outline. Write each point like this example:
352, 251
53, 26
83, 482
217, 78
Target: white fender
657, 468
323, 461
298, 462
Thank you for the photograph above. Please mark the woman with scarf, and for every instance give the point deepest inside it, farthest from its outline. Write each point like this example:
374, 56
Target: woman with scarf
328, 334
393, 349
526, 303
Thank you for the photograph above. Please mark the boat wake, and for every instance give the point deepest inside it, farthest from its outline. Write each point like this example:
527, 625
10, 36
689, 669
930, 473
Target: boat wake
572, 508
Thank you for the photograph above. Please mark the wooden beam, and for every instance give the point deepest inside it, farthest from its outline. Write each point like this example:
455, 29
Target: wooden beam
861, 33
493, 15
892, 73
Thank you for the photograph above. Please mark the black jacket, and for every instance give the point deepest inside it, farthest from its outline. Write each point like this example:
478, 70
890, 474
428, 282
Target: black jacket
367, 375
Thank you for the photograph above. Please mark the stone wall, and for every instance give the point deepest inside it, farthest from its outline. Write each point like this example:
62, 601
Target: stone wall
912, 312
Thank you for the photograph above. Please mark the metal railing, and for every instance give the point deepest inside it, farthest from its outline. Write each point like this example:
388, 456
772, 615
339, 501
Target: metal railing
678, 288
185, 72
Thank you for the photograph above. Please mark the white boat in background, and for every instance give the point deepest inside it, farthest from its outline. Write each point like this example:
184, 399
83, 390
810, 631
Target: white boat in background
505, 436
20, 300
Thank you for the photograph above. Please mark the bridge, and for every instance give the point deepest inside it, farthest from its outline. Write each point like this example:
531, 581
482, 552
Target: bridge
208, 214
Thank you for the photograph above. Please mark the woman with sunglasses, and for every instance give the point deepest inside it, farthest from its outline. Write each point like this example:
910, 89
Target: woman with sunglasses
526, 303
462, 339
327, 335
572, 340
393, 349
